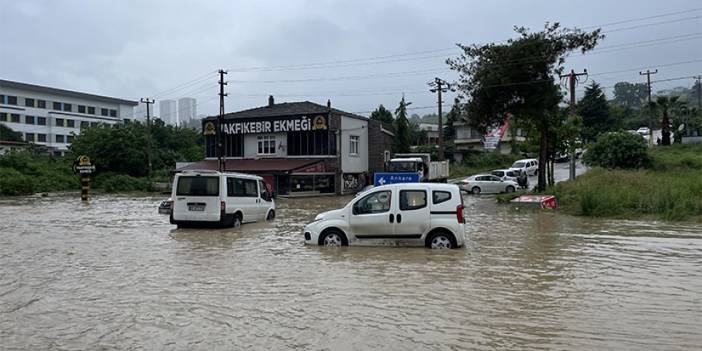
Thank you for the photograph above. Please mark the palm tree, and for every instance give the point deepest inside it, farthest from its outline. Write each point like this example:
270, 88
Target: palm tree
666, 104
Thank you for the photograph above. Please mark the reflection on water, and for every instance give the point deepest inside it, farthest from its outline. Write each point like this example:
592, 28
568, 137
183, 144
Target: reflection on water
113, 274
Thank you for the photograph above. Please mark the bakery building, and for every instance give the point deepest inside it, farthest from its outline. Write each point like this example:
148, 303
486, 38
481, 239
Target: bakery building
300, 148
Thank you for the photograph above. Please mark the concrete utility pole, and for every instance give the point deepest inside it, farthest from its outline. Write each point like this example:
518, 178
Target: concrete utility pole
573, 80
220, 122
148, 102
648, 74
440, 86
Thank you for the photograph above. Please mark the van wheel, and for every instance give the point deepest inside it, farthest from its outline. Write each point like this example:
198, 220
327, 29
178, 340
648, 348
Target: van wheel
475, 190
441, 240
333, 238
271, 215
236, 221
510, 189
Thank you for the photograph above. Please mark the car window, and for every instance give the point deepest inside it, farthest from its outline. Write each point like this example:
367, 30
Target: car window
237, 187
495, 179
440, 196
498, 173
373, 203
518, 165
412, 199
198, 186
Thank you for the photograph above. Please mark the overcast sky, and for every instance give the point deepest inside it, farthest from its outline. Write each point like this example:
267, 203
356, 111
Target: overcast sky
133, 49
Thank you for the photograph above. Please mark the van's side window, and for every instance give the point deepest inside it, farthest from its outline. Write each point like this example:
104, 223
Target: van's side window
237, 187
440, 196
412, 199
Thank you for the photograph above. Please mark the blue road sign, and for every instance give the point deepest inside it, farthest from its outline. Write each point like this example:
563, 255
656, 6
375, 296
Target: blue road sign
383, 178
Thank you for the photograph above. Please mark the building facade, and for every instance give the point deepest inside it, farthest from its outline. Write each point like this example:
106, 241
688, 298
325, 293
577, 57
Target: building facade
432, 131
187, 110
300, 148
470, 140
168, 111
53, 117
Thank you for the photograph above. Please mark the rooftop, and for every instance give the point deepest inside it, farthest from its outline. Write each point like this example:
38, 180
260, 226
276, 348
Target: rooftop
288, 109
63, 92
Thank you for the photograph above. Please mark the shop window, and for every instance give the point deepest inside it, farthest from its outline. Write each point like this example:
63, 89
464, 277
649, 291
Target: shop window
41, 121
412, 199
41, 138
41, 103
354, 140
29, 119
28, 102
266, 144
301, 183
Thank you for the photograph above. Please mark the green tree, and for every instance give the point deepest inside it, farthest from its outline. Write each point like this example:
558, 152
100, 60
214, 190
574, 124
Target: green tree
451, 118
665, 104
630, 95
594, 110
382, 114
402, 127
7, 134
618, 150
518, 77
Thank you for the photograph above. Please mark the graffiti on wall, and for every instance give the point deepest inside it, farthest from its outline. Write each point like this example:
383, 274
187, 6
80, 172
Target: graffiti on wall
354, 182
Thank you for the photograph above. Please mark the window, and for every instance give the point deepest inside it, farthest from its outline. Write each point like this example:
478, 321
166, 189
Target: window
113, 113
412, 199
41, 121
41, 103
316, 142
67, 107
70, 123
198, 186
440, 196
238, 187
11, 100
373, 203
14, 118
3, 117
104, 112
266, 144
353, 144
57, 106
263, 191
29, 119
29, 137
81, 109
59, 138
2, 99
69, 138
59, 122
84, 124
41, 138
28, 102
91, 110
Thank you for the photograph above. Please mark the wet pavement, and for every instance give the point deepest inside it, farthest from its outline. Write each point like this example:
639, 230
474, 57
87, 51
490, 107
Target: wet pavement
114, 274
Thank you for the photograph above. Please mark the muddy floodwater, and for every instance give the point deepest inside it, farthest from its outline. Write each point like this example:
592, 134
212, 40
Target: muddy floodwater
114, 274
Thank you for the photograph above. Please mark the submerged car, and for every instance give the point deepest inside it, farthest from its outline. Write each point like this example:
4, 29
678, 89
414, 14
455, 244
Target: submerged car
428, 214
487, 184
506, 174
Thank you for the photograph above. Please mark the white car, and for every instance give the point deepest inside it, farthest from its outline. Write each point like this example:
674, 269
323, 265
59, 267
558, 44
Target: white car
506, 174
210, 198
487, 184
643, 131
528, 165
430, 214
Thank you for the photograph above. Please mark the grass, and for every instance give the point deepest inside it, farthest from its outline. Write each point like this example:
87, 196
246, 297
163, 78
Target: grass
670, 189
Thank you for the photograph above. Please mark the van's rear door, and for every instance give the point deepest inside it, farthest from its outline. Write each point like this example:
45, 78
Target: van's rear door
197, 198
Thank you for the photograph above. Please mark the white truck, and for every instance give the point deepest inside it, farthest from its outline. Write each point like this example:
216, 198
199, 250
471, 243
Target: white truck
428, 170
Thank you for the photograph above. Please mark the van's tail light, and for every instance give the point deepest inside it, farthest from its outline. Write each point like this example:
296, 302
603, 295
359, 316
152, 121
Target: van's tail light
459, 213
222, 206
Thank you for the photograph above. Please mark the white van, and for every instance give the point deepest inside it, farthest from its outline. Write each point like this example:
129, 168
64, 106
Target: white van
210, 198
429, 214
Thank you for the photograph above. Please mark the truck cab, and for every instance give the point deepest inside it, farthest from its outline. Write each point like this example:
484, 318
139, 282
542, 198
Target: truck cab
428, 170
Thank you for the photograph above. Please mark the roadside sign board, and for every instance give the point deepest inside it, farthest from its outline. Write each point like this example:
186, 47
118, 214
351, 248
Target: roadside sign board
82, 166
383, 178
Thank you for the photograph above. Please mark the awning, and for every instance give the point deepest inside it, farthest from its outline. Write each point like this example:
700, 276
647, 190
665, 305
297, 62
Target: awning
263, 165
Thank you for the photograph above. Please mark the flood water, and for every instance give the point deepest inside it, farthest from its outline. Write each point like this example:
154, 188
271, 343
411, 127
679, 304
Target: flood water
114, 274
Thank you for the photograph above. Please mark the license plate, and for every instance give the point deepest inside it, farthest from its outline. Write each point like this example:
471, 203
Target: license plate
196, 208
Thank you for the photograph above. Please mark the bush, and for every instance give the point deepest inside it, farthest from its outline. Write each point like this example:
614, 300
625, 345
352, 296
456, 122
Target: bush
13, 182
112, 183
480, 162
618, 150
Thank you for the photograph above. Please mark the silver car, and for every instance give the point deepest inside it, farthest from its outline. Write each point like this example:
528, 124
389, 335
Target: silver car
487, 184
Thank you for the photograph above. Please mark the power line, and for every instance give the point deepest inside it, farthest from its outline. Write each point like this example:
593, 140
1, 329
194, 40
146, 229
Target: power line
645, 18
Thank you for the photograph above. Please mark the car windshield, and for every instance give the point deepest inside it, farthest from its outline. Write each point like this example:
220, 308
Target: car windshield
400, 166
518, 165
198, 186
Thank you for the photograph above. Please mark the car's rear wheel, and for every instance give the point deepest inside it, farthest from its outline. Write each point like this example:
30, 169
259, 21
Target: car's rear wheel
510, 189
333, 238
475, 190
441, 240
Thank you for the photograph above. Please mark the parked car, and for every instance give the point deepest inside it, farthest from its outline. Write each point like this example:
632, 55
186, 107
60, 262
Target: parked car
165, 206
528, 165
210, 198
506, 174
430, 214
487, 184
643, 131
